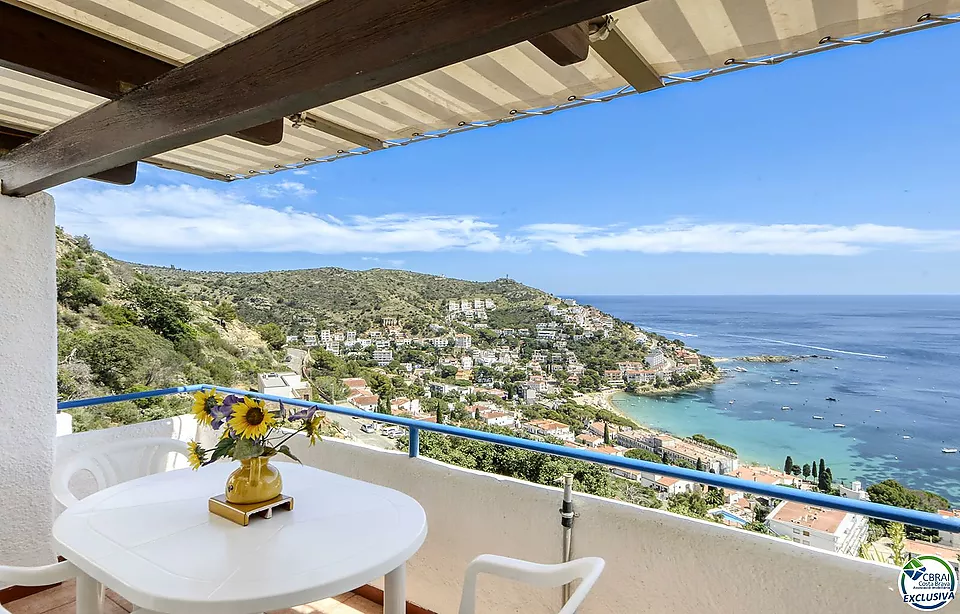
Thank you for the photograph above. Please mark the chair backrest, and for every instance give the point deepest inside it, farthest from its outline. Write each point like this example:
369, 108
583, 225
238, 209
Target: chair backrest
116, 463
587, 570
36, 576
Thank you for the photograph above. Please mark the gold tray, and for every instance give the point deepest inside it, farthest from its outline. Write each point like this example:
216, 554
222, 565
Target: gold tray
241, 513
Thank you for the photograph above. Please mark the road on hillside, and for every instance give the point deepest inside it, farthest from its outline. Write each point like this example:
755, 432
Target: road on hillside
350, 428
296, 359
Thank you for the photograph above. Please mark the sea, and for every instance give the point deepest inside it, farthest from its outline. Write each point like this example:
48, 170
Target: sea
891, 362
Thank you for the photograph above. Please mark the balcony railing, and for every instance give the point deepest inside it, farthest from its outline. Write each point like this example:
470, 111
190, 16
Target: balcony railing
866, 508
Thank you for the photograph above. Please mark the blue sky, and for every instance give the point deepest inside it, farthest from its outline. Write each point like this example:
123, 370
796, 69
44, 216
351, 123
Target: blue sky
832, 174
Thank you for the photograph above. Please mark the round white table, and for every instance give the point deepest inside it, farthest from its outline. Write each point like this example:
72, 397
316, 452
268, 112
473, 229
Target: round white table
154, 542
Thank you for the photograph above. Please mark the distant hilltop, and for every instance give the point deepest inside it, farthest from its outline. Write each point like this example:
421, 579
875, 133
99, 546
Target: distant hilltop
334, 297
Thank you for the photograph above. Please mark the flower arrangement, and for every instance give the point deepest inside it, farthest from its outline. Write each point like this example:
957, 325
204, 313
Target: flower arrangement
252, 431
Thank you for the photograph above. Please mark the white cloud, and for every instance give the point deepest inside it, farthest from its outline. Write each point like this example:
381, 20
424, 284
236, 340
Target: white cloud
283, 188
182, 218
769, 239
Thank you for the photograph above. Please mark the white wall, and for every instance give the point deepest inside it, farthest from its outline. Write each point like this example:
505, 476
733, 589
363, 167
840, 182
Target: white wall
656, 561
28, 377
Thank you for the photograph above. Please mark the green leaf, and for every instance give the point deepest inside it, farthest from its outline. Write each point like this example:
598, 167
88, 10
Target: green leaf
224, 448
285, 449
247, 448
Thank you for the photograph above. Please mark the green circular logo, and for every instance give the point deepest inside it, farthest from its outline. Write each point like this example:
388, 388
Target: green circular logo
927, 583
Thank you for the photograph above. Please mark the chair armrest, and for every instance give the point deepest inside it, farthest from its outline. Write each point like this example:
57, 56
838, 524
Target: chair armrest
38, 576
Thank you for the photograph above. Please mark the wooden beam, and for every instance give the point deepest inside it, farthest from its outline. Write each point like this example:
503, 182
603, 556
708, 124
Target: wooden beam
324, 52
11, 138
39, 46
326, 126
565, 46
617, 51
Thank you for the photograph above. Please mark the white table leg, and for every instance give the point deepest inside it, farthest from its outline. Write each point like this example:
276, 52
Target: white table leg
394, 591
88, 595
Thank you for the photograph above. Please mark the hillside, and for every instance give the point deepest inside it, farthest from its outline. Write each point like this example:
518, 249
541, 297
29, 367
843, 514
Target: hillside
121, 331
338, 298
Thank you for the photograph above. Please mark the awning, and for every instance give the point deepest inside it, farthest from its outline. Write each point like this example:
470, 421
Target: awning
668, 37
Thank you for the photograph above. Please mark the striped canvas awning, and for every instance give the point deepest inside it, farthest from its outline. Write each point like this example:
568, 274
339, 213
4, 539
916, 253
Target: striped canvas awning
667, 36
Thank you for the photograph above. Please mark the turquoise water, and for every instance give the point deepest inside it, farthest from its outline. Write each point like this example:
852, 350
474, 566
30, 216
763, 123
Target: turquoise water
900, 355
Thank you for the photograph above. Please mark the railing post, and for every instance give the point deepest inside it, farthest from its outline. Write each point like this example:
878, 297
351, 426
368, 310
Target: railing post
414, 442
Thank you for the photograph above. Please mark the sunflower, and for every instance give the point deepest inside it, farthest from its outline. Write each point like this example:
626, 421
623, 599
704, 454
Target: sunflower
251, 419
196, 455
311, 429
204, 402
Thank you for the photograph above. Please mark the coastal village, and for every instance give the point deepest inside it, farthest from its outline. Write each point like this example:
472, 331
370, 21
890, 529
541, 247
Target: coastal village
526, 380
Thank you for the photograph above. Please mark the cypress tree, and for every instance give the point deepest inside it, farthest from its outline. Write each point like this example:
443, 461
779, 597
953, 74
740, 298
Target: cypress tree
806, 471
606, 434
699, 464
813, 469
825, 480
788, 465
823, 466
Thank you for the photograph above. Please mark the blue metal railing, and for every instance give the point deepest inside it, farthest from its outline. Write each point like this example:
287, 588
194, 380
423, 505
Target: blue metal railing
875, 510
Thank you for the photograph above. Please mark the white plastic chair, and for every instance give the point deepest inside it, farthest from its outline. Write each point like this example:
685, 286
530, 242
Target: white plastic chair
587, 570
116, 463
36, 576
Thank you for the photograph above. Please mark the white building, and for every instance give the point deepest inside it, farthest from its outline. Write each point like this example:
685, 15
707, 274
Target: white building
287, 384
325, 336
383, 357
440, 342
462, 341
496, 417
403, 404
350, 336
855, 491
666, 485
310, 341
810, 525
549, 427
655, 359
951, 540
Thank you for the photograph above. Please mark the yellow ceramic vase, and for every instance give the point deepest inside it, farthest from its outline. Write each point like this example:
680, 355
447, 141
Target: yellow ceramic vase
254, 482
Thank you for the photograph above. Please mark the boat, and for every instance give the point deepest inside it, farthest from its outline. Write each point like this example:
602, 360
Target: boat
876, 411
794, 370
838, 425
794, 383
740, 369
906, 436
949, 450
731, 402
818, 417
831, 399
784, 408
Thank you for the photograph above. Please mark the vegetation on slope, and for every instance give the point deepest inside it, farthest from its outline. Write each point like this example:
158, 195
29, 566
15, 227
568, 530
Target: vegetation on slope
122, 331
337, 298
